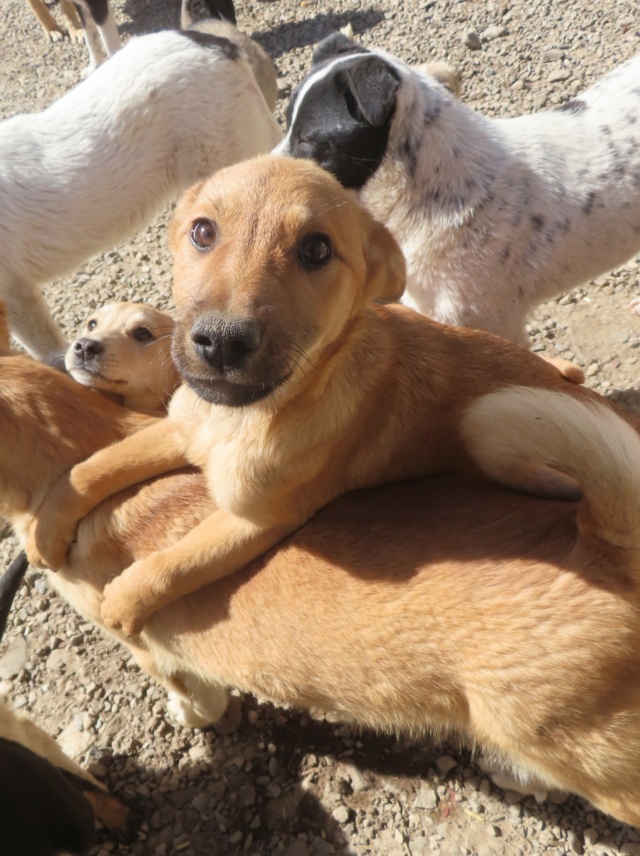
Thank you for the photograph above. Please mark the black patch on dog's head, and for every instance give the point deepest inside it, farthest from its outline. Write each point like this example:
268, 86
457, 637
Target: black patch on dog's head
206, 40
41, 813
341, 114
337, 44
576, 107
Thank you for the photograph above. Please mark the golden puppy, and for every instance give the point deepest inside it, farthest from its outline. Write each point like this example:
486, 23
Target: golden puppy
437, 605
124, 350
299, 385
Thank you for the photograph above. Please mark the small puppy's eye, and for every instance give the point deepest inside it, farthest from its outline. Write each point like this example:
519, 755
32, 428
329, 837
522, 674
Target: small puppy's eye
91, 325
315, 251
142, 334
203, 234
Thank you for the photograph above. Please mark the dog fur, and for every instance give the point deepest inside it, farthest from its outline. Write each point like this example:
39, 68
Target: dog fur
91, 19
99, 163
218, 18
298, 386
124, 350
47, 802
442, 605
493, 215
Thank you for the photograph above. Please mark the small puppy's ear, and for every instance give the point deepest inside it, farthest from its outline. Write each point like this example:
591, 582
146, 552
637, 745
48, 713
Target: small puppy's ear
373, 84
386, 270
337, 44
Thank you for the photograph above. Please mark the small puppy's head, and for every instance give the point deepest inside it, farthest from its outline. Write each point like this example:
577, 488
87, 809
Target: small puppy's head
124, 349
341, 114
273, 261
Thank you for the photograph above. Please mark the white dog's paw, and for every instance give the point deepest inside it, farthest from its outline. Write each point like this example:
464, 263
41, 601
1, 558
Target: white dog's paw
198, 714
634, 305
508, 781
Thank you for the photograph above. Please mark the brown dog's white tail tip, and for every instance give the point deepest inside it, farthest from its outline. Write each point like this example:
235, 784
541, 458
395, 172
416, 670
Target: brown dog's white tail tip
347, 30
549, 443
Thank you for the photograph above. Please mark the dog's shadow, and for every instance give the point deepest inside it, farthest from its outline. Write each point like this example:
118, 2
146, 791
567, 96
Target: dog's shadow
277, 40
269, 782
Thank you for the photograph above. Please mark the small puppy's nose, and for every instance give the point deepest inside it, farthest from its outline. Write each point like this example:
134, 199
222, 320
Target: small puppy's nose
225, 343
87, 349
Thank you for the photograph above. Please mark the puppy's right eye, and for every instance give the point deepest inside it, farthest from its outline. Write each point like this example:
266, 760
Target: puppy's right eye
91, 325
315, 251
203, 234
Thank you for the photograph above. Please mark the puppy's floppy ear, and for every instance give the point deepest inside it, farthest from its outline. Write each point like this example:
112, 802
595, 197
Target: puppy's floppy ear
386, 270
373, 84
335, 45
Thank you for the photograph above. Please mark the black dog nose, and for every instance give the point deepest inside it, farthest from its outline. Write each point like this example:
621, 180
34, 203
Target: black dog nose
87, 349
225, 343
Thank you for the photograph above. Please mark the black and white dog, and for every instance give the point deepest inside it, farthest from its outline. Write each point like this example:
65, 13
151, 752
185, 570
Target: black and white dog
493, 215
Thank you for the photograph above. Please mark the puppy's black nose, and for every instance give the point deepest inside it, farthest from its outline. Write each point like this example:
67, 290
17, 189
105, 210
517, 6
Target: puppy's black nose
87, 349
225, 343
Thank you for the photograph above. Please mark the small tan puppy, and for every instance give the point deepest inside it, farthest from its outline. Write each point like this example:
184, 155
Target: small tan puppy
299, 386
124, 350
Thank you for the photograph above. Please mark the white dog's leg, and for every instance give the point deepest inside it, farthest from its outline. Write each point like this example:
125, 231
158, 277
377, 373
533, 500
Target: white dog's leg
109, 33
30, 319
205, 708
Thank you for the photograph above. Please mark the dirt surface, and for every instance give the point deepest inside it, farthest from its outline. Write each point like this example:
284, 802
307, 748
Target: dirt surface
272, 780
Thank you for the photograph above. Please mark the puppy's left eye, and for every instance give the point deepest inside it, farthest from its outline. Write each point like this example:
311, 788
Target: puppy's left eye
203, 234
315, 251
142, 334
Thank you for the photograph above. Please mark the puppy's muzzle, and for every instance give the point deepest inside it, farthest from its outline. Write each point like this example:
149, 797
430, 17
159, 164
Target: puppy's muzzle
225, 344
86, 349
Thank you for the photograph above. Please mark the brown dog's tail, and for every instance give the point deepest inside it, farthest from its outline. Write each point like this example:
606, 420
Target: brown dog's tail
550, 443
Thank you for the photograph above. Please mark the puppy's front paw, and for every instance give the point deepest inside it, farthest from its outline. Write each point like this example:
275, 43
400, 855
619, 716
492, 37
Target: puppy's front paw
46, 548
122, 608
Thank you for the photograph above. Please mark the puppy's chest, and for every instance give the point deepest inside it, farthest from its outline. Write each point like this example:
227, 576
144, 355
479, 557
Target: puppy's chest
240, 465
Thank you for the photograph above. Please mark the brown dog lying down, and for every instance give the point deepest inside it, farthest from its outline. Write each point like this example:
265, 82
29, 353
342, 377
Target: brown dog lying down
438, 605
123, 350
298, 387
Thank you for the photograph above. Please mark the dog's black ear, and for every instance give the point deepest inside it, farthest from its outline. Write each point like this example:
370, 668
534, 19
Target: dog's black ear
373, 83
337, 44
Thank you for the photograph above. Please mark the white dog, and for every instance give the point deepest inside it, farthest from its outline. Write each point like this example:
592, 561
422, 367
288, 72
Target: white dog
94, 168
493, 215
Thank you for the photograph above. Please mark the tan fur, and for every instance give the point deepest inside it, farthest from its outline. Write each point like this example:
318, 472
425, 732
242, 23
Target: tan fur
445, 73
50, 26
139, 371
437, 605
372, 393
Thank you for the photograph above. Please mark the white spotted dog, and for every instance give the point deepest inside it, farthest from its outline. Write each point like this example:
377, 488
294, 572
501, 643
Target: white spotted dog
97, 165
218, 17
493, 215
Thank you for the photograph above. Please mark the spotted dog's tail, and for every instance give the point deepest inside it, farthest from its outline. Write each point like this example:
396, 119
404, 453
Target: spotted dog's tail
551, 443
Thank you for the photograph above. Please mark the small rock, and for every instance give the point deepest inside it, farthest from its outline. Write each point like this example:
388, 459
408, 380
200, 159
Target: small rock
559, 74
472, 41
74, 742
446, 763
494, 32
426, 798
540, 101
494, 830
575, 842
297, 848
340, 814
590, 836
13, 658
273, 767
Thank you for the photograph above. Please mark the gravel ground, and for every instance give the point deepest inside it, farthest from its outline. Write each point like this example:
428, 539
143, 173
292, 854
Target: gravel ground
272, 780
